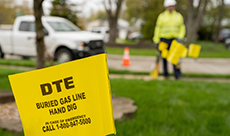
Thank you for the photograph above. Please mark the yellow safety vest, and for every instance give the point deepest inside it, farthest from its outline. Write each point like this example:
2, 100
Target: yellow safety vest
169, 26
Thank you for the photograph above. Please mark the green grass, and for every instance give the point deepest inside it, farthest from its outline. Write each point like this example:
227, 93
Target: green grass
7, 133
168, 108
132, 51
213, 50
27, 63
192, 75
208, 50
19, 62
175, 108
4, 81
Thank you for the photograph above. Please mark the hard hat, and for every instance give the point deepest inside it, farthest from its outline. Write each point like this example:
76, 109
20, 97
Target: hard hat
169, 3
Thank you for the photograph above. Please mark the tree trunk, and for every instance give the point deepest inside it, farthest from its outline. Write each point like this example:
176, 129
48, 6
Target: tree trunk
112, 30
113, 17
194, 18
40, 45
190, 33
179, 7
220, 17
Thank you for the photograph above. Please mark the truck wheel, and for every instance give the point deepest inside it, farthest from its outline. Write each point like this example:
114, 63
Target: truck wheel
25, 57
1, 54
64, 55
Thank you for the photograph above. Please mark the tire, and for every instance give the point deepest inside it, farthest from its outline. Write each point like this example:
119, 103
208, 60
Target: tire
25, 57
1, 54
64, 55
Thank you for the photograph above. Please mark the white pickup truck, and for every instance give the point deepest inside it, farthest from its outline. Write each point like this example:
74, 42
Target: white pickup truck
64, 41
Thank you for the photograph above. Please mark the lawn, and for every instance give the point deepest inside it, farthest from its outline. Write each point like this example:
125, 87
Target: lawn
168, 108
23, 62
7, 133
213, 50
132, 51
208, 50
18, 62
192, 75
175, 108
4, 81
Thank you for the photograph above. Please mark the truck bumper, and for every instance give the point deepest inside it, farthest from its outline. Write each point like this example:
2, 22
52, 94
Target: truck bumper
82, 54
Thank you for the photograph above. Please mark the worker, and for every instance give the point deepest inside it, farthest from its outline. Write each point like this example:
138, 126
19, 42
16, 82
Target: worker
169, 26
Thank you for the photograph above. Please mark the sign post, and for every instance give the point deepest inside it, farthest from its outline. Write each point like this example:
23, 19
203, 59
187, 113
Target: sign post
73, 98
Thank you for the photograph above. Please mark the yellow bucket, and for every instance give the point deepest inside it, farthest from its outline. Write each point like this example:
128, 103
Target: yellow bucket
194, 50
163, 46
176, 51
185, 52
173, 46
164, 53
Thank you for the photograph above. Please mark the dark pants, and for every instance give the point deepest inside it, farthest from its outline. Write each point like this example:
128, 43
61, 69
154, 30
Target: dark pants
176, 68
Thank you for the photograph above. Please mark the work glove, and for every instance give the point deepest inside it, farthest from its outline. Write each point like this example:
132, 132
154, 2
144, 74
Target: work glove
179, 40
156, 46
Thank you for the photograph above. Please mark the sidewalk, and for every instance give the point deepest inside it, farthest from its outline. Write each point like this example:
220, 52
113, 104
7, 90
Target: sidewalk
143, 64
189, 65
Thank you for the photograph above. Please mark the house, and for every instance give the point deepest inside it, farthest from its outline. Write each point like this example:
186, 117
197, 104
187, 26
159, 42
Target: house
102, 27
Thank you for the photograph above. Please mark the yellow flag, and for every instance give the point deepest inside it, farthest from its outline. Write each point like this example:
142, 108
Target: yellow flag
155, 72
70, 99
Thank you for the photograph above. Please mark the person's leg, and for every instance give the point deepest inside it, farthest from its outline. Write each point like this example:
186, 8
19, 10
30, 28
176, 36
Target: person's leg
165, 65
165, 68
177, 72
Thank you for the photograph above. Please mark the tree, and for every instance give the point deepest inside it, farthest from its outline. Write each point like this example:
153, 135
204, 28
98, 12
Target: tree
210, 24
204, 17
113, 9
148, 11
101, 15
211, 16
7, 14
40, 45
194, 17
220, 15
24, 8
64, 9
9, 11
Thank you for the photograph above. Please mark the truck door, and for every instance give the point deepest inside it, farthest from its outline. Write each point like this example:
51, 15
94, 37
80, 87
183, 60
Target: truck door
24, 39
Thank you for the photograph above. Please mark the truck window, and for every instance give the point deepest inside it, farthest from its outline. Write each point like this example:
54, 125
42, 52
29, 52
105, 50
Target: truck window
95, 31
30, 27
63, 26
27, 26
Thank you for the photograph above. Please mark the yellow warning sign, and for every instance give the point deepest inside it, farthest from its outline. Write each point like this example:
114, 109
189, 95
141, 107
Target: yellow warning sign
70, 99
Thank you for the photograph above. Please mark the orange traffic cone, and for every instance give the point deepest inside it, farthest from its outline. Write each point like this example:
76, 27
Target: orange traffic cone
126, 59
